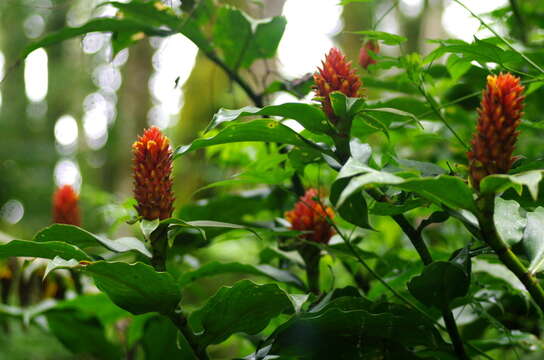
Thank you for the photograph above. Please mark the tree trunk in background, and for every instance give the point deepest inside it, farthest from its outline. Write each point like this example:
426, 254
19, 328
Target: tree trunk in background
133, 106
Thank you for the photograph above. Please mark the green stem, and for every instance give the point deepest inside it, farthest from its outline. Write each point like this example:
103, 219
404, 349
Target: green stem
311, 256
519, 18
180, 321
159, 247
489, 233
417, 242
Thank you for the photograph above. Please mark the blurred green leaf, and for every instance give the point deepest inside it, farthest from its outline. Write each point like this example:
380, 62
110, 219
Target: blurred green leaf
217, 268
162, 340
48, 250
508, 221
387, 38
499, 183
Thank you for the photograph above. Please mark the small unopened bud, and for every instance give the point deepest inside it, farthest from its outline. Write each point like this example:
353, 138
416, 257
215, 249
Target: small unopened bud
365, 58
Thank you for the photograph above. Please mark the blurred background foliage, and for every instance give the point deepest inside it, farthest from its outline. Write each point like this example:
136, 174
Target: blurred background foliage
69, 114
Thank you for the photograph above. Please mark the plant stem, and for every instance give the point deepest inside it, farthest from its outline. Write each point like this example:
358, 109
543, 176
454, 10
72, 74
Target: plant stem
180, 321
417, 242
489, 233
159, 245
311, 256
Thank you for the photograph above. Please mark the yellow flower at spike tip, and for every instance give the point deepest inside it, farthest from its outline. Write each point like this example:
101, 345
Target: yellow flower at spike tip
495, 138
152, 175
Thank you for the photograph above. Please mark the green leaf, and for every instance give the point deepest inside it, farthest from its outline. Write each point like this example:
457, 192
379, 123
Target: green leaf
245, 307
81, 333
83, 239
59, 263
309, 116
355, 210
387, 38
444, 189
99, 24
533, 239
345, 2
256, 130
160, 341
217, 268
148, 226
439, 284
48, 250
332, 332
500, 183
508, 221
241, 45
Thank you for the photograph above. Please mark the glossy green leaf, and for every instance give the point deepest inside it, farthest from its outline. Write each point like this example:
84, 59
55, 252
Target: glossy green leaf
509, 223
533, 239
309, 116
439, 284
245, 307
83, 239
355, 210
137, 288
47, 250
217, 268
499, 183
256, 130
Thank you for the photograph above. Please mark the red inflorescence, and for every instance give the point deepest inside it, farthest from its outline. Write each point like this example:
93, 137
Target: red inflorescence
310, 215
335, 75
495, 137
152, 169
365, 59
65, 206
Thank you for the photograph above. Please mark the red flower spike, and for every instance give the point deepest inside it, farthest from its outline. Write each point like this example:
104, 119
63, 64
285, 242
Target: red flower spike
365, 59
495, 137
65, 206
310, 215
152, 174
335, 75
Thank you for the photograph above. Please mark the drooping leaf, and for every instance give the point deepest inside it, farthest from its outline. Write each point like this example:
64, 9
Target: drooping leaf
439, 284
499, 183
533, 239
48, 250
160, 340
256, 130
245, 307
309, 116
217, 268
83, 239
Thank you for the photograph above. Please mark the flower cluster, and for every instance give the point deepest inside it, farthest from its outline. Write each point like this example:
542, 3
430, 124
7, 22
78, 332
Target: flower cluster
495, 137
336, 74
310, 215
65, 206
152, 170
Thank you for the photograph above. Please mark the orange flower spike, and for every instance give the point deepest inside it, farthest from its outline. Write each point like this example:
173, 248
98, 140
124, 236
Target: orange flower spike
65, 206
310, 215
336, 74
365, 59
495, 138
152, 175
